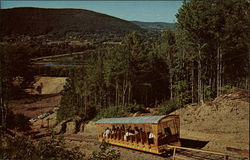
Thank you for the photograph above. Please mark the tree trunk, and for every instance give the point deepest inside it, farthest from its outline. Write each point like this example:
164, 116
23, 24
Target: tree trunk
123, 92
200, 92
218, 91
116, 93
95, 98
171, 85
124, 88
2, 113
85, 99
221, 72
171, 80
192, 80
129, 92
3, 104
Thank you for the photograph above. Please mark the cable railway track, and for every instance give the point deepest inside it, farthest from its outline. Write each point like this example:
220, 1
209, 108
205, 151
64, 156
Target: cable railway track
184, 153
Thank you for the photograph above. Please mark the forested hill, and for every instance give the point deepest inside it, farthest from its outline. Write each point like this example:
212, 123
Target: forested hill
153, 25
38, 21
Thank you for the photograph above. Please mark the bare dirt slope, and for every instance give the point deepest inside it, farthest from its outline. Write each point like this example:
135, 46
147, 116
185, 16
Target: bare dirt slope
51, 85
47, 100
33, 108
223, 122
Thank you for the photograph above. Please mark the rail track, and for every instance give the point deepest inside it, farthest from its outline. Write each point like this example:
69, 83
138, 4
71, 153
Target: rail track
184, 153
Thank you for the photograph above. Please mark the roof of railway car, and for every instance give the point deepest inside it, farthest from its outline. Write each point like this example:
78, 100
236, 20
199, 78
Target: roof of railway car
129, 120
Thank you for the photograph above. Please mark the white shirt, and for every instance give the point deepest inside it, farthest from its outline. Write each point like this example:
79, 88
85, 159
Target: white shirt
151, 135
127, 134
106, 133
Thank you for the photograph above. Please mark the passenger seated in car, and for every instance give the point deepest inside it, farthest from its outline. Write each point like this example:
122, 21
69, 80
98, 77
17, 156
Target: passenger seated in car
151, 137
106, 133
127, 134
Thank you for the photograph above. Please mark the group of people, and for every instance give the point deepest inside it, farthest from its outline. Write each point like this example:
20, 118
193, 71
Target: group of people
129, 134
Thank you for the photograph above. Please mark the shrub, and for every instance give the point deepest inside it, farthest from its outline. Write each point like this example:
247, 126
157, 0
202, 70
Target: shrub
106, 153
227, 88
208, 93
112, 111
17, 121
53, 149
132, 108
21, 122
117, 111
169, 106
19, 148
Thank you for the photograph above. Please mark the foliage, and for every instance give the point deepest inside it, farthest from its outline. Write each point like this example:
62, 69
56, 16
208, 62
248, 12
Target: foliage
22, 148
133, 108
117, 111
168, 106
207, 47
112, 111
14, 65
74, 95
106, 153
17, 121
119, 77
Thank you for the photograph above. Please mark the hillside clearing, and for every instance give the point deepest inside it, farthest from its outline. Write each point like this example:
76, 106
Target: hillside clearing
223, 122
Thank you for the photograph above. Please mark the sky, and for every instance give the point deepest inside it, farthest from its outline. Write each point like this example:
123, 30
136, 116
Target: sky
146, 11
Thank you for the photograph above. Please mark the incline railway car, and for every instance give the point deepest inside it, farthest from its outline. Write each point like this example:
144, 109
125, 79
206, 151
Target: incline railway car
145, 133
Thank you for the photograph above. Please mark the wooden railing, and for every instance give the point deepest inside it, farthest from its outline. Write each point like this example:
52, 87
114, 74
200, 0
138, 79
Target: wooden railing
196, 150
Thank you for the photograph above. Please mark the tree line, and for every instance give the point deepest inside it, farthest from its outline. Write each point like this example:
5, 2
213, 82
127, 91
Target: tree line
14, 66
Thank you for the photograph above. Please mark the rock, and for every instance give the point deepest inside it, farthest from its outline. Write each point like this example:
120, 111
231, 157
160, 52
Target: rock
71, 128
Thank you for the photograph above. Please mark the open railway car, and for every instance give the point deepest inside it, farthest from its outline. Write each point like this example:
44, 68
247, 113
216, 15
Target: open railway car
146, 133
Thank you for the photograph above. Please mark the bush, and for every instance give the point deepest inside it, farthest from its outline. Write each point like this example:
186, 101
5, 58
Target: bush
17, 121
21, 148
106, 153
112, 111
117, 111
226, 89
132, 108
169, 106
21, 122
208, 93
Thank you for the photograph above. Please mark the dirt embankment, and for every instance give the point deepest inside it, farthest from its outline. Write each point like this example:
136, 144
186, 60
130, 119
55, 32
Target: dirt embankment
41, 103
223, 122
39, 106
49, 85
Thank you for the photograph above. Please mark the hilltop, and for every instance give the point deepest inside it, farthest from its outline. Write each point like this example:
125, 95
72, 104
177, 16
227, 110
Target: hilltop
40, 21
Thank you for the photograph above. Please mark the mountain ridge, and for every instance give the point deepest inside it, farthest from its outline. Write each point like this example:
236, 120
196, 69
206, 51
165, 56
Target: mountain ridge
39, 21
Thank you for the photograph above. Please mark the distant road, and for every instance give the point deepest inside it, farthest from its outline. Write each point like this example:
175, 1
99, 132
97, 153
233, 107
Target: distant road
56, 56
